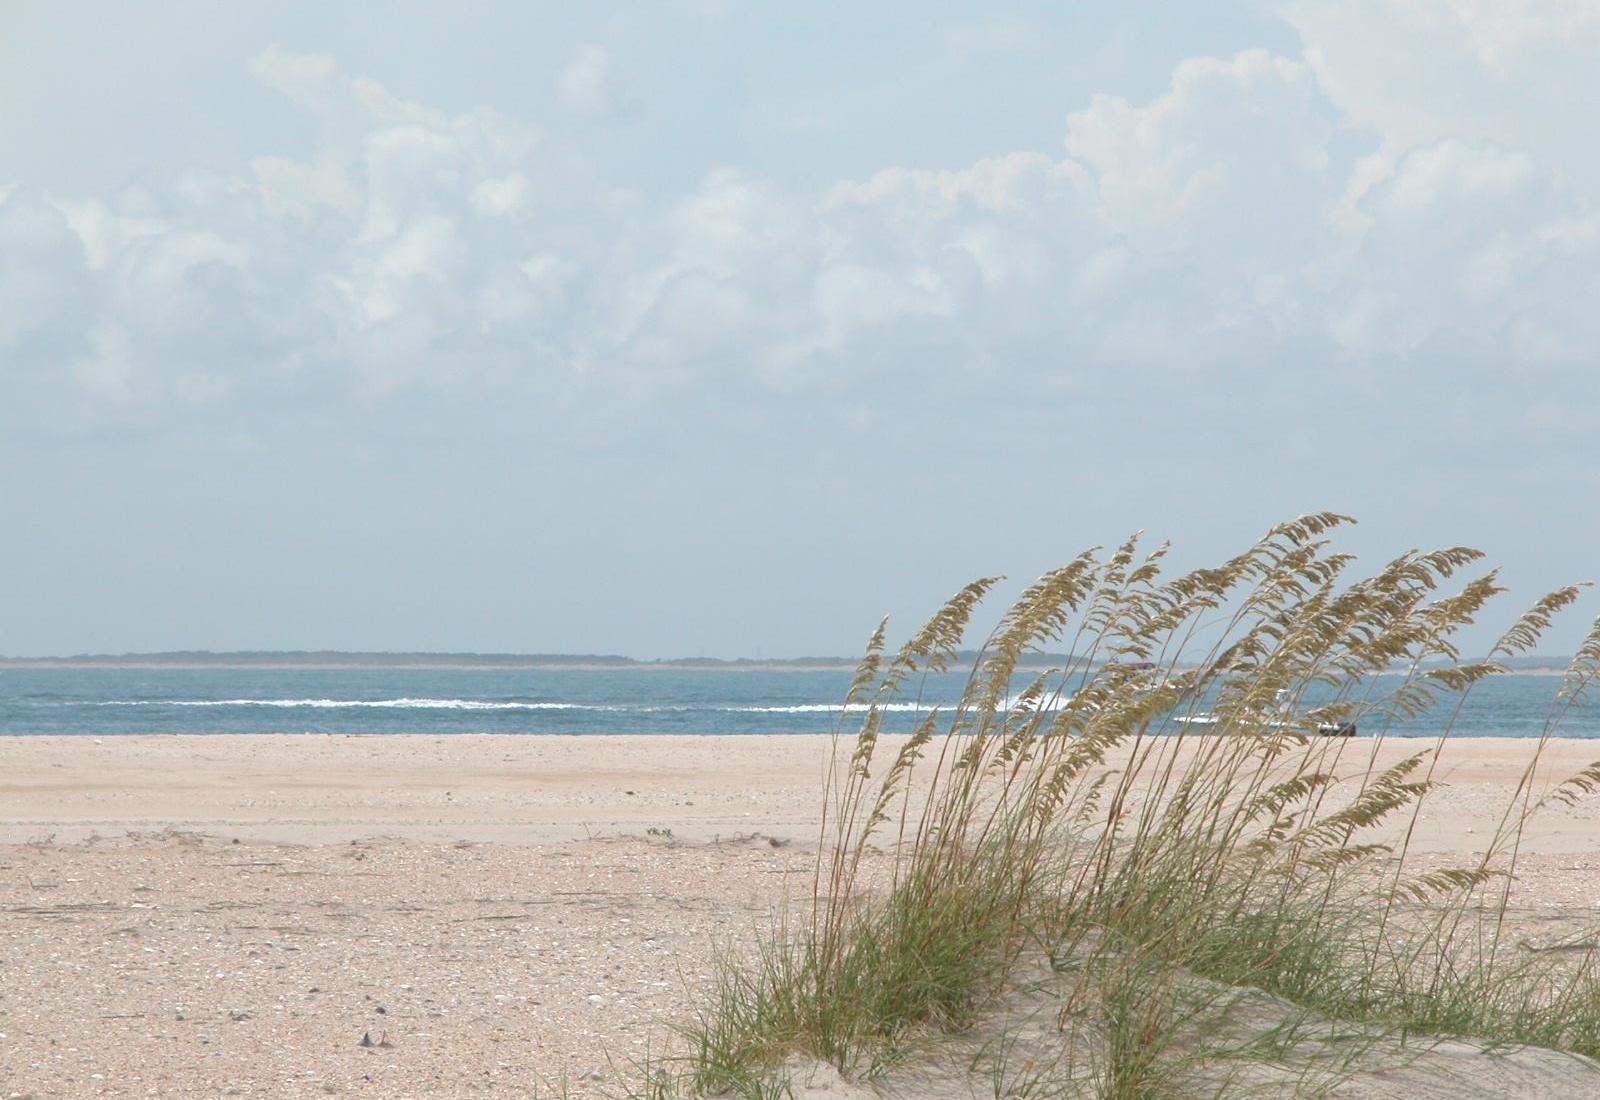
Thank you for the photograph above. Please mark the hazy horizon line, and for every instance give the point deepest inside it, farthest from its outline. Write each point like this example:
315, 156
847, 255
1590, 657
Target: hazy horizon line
469, 658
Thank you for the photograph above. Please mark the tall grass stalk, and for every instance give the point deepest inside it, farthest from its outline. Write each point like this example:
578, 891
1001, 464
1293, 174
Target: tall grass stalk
1080, 813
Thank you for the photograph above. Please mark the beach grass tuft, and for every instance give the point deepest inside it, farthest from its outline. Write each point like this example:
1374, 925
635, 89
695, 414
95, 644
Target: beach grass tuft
1162, 826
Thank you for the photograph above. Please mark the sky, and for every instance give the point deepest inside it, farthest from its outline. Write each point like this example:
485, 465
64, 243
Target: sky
693, 328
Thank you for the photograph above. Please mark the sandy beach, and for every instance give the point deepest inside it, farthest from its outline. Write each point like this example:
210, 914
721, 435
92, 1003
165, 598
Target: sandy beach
233, 915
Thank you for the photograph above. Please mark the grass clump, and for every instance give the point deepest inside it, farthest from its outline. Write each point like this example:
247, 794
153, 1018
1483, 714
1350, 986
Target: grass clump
1161, 819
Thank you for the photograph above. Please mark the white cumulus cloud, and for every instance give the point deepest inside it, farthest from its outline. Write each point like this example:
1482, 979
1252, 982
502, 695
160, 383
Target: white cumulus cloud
1264, 217
586, 85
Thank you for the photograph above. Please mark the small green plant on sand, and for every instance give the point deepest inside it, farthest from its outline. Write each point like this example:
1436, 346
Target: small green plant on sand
1161, 865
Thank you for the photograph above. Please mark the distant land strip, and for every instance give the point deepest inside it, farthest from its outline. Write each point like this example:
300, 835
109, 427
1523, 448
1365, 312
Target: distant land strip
322, 658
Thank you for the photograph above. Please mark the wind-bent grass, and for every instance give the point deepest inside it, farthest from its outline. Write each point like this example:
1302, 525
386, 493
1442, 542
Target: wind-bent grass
1077, 815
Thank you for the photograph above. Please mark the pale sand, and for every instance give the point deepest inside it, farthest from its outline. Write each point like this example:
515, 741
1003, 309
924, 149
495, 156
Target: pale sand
515, 922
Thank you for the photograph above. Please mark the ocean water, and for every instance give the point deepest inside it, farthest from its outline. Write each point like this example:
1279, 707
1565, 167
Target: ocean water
107, 701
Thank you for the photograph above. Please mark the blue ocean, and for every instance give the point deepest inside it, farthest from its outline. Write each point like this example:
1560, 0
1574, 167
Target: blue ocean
108, 701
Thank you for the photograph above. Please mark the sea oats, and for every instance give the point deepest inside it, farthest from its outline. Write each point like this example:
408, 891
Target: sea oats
1233, 842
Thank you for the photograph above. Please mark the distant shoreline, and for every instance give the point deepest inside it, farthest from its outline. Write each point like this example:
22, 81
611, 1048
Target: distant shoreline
424, 661
299, 660
484, 666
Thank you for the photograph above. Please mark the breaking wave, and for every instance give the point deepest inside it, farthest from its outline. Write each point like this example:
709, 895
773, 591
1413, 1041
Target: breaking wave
380, 704
517, 705
485, 704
